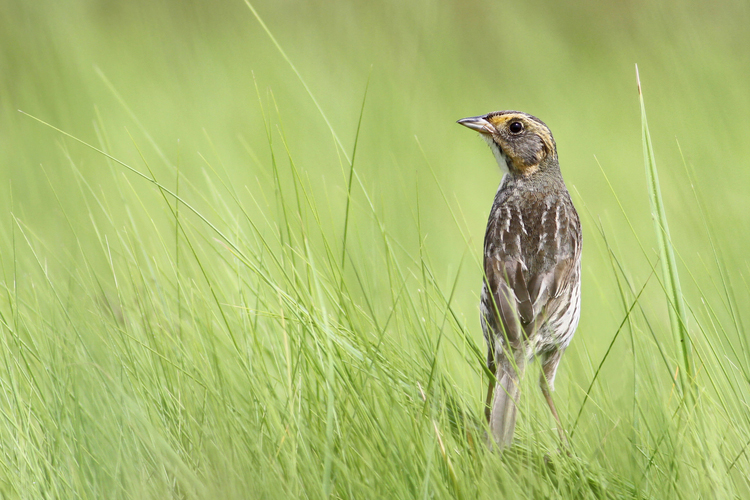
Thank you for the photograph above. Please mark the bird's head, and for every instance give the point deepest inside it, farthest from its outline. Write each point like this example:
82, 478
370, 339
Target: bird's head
521, 143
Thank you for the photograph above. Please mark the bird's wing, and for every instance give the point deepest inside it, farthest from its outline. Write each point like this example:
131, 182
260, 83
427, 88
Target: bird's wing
513, 304
522, 286
520, 297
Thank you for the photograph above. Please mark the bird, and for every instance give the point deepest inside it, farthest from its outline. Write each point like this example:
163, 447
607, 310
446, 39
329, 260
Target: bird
531, 295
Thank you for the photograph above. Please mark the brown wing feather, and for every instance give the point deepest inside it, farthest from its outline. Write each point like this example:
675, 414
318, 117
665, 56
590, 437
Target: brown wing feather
524, 274
505, 303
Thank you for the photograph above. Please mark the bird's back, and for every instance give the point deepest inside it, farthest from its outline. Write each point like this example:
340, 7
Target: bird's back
532, 263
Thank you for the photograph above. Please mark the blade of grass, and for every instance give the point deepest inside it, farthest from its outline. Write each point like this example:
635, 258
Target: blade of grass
302, 80
677, 313
606, 354
351, 173
329, 383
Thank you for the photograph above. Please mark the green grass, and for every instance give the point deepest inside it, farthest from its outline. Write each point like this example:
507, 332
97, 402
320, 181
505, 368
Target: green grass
240, 254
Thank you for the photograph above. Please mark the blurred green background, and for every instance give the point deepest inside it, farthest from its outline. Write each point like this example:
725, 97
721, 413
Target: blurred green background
188, 67
187, 71
187, 83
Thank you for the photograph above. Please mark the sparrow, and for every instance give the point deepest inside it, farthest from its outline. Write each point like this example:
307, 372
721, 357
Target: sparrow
531, 295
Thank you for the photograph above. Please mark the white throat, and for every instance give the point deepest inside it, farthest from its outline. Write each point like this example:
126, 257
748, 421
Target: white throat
502, 160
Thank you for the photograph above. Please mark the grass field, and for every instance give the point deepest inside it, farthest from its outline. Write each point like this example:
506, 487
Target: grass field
240, 248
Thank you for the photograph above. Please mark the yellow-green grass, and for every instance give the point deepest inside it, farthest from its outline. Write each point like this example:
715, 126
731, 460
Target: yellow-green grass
242, 260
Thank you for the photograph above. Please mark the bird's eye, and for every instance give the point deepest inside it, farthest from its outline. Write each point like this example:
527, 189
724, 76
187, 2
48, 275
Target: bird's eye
516, 128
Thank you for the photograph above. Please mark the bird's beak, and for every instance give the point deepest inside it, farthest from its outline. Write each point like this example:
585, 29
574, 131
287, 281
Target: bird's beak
478, 123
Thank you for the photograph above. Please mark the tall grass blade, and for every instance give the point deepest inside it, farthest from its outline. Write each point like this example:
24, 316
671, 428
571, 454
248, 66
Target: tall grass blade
351, 173
677, 312
302, 80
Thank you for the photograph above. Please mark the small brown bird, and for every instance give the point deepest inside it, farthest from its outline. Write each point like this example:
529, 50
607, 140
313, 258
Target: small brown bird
531, 298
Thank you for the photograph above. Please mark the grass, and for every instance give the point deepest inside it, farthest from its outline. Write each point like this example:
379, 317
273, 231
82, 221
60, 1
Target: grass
285, 304
672, 288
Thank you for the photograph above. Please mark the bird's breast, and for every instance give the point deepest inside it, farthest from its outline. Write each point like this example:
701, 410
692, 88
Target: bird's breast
535, 229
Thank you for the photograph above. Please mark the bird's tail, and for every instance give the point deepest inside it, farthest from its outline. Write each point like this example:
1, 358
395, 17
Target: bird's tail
505, 403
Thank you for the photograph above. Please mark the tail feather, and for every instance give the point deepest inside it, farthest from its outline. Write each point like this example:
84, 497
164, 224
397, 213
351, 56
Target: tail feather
505, 405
